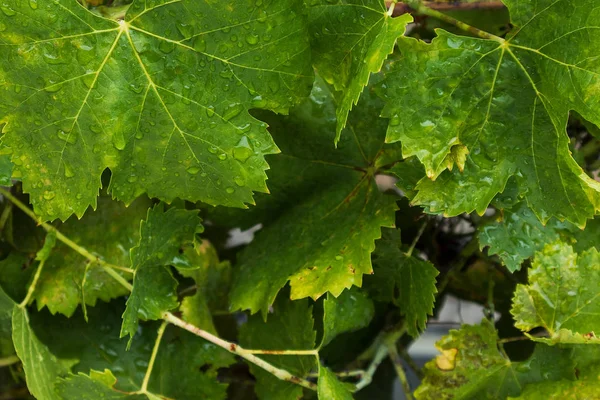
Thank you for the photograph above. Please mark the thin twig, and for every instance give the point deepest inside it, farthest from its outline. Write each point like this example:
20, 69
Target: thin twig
159, 335
416, 239
10, 360
238, 350
33, 285
397, 362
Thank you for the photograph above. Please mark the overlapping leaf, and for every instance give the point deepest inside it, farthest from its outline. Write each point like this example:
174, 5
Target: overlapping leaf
407, 281
352, 310
471, 366
562, 295
504, 105
330, 387
160, 98
350, 39
69, 279
154, 288
325, 211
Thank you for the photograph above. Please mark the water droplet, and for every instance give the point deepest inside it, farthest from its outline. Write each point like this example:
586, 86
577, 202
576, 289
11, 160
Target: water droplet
33, 4
200, 45
136, 88
243, 150
118, 140
166, 47
132, 179
210, 111
69, 171
9, 12
230, 190
212, 149
252, 39
49, 195
68, 137
89, 80
79, 196
232, 111
193, 170
222, 156
239, 181
339, 258
18, 88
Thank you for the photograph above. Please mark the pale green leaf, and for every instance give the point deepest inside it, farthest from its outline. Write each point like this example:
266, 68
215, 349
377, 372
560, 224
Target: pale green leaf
562, 294
471, 366
406, 280
69, 279
350, 39
350, 311
293, 322
154, 292
326, 210
330, 387
42, 368
160, 98
6, 310
508, 103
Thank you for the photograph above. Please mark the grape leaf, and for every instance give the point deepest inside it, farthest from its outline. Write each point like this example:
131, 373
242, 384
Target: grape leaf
293, 322
586, 386
562, 295
6, 310
69, 279
96, 385
160, 98
326, 209
350, 311
17, 269
154, 289
519, 234
42, 368
350, 39
457, 95
470, 366
411, 278
330, 387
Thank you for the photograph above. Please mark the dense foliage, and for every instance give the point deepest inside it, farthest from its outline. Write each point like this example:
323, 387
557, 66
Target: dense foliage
137, 135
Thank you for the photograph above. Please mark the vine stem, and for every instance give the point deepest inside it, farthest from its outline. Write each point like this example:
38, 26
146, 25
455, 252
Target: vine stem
10, 360
397, 362
33, 285
168, 317
418, 6
160, 333
49, 228
238, 350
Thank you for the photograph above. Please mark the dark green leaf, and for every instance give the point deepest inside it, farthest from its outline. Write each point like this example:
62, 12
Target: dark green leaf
96, 385
6, 310
348, 312
326, 210
293, 322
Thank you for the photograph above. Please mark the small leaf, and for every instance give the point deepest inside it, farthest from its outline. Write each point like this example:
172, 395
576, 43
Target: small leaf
562, 295
348, 312
350, 40
412, 278
96, 385
330, 387
154, 288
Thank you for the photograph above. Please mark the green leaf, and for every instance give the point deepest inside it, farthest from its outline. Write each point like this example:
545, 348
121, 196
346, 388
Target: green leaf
42, 368
6, 310
160, 98
585, 387
154, 287
562, 295
348, 312
16, 271
471, 366
330, 387
293, 322
96, 385
507, 103
407, 281
69, 279
326, 210
350, 39
518, 235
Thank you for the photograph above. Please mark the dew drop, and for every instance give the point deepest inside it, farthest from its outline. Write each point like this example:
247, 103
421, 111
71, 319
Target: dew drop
9, 12
230, 190
49, 195
222, 156
252, 39
166, 47
118, 140
193, 170
243, 150
33, 4
239, 181
200, 45
232, 111
210, 111
69, 171
339, 258
68, 137
132, 179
